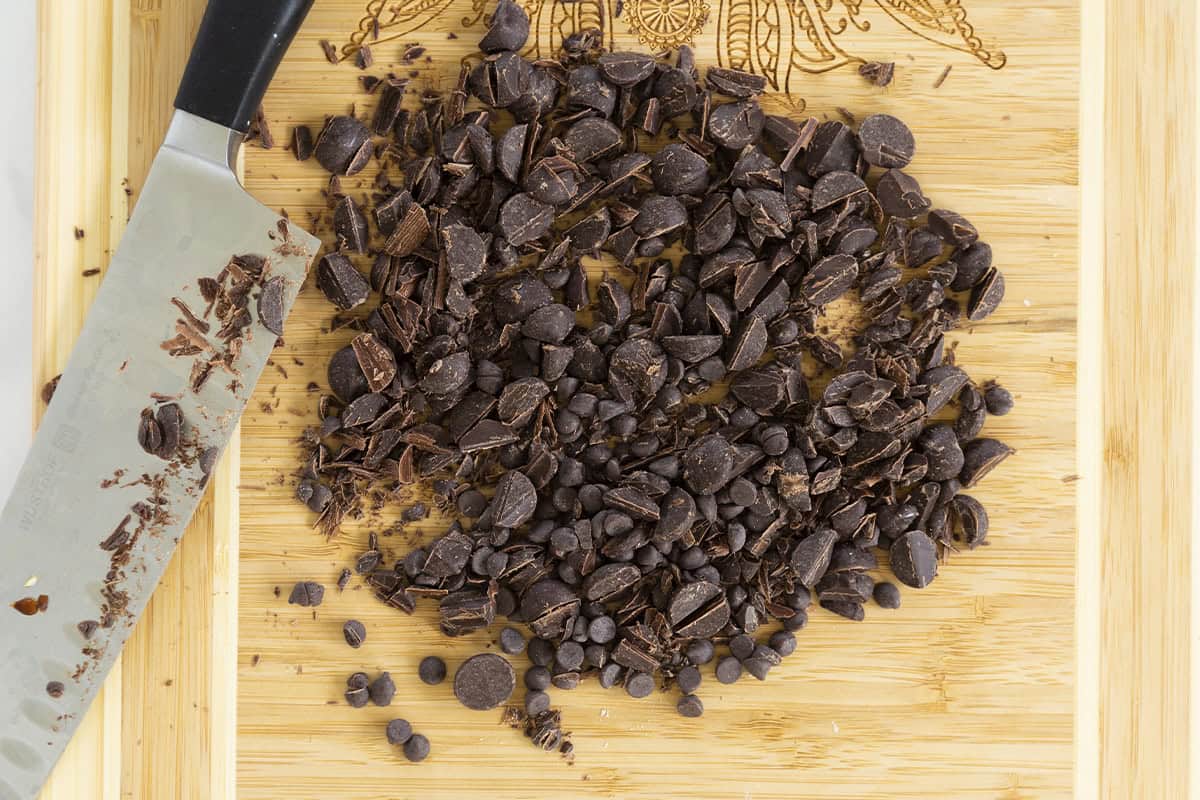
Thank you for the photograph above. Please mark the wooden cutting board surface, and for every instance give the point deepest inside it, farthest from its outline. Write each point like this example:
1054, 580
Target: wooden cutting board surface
1008, 678
966, 691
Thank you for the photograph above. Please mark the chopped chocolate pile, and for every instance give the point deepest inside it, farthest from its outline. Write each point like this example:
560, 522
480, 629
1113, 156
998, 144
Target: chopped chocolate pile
750, 408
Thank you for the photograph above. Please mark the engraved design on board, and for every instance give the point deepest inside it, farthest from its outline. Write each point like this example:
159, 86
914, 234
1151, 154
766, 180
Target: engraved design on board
778, 39
943, 22
552, 21
393, 20
666, 24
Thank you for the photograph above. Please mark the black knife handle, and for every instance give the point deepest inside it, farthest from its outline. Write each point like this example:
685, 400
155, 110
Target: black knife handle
239, 45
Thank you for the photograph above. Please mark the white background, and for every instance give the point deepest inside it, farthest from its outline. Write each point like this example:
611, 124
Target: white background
18, 65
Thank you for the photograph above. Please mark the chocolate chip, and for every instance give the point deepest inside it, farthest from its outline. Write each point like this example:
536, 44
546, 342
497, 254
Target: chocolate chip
690, 706
729, 669
399, 731
431, 670
416, 748
887, 595
382, 690
999, 401
639, 685
355, 633
512, 641
536, 702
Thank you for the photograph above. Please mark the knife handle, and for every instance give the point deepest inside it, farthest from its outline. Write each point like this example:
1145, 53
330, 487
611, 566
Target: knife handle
238, 47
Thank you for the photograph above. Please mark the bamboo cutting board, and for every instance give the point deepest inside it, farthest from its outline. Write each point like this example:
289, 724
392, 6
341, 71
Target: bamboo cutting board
966, 691
1008, 678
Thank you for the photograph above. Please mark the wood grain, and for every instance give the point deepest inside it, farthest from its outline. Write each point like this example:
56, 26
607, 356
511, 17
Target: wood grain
163, 725
1148, 298
81, 62
1089, 411
966, 691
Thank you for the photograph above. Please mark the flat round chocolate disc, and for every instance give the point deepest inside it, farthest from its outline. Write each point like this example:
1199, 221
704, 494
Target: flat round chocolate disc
484, 681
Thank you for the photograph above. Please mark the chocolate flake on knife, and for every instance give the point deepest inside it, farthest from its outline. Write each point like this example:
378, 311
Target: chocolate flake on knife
30, 606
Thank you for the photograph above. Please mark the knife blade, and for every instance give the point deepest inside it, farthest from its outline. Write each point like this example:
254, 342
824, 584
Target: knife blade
178, 335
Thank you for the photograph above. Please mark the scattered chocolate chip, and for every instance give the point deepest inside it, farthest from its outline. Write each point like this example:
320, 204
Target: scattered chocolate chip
512, 641
729, 669
690, 706
432, 670
639, 685
999, 401
382, 690
355, 633
886, 595
357, 695
399, 731
416, 748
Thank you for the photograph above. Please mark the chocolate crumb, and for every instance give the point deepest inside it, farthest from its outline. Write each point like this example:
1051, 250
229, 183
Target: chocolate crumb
364, 58
48, 389
879, 73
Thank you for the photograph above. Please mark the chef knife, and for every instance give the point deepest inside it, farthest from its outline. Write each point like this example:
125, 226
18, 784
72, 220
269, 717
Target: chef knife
180, 330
